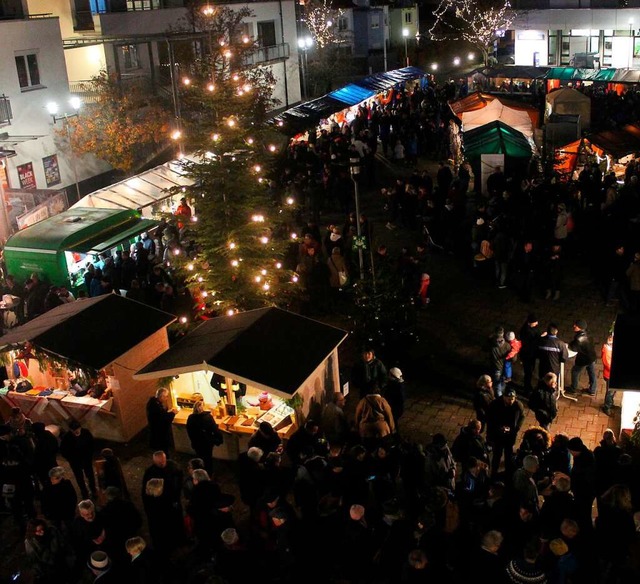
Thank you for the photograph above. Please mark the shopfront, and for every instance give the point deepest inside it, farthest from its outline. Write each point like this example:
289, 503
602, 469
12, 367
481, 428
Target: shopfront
264, 365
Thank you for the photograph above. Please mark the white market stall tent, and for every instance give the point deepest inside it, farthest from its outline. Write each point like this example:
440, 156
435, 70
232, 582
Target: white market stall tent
147, 192
569, 101
496, 110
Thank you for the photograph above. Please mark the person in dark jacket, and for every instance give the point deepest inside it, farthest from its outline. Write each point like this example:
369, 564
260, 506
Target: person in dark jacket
504, 420
583, 482
530, 336
470, 443
544, 400
266, 439
59, 499
482, 398
160, 415
368, 371
585, 359
144, 567
204, 434
499, 348
122, 520
551, 352
77, 447
45, 452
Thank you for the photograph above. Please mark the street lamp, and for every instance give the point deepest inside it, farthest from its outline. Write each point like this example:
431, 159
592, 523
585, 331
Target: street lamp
354, 167
304, 44
405, 34
456, 61
52, 108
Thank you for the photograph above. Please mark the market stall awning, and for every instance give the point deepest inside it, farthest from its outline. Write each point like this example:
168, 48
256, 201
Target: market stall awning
511, 72
477, 100
140, 227
617, 143
625, 374
571, 73
566, 157
309, 114
142, 190
93, 332
497, 111
495, 138
268, 348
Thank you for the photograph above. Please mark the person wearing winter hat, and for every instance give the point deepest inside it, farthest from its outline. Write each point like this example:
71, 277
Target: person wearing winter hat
583, 481
394, 393
102, 568
585, 359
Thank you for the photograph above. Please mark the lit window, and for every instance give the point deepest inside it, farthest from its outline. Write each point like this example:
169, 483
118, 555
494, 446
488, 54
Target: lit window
28, 71
407, 17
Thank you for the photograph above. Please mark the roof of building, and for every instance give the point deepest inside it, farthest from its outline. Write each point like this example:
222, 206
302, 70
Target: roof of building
267, 348
93, 332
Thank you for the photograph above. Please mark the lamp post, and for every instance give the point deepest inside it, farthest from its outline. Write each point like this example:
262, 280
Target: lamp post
304, 44
53, 109
4, 154
354, 167
405, 34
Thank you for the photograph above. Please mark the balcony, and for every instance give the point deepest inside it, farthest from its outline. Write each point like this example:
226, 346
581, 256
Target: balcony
266, 55
5, 111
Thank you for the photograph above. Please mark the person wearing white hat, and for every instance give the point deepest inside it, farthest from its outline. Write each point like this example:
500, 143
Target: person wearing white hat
394, 393
100, 565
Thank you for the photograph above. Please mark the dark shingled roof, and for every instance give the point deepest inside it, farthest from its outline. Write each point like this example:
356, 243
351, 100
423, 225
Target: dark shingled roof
269, 347
93, 332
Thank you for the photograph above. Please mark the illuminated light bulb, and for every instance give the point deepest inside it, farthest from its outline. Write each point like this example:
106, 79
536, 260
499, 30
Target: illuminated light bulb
235, 77
246, 87
240, 92
203, 307
194, 218
211, 86
176, 251
294, 236
186, 81
215, 137
183, 319
230, 312
294, 279
278, 265
232, 245
231, 122
190, 267
184, 189
222, 42
290, 201
234, 263
272, 148
205, 294
227, 54
249, 141
257, 218
258, 279
264, 240
200, 279
260, 180
266, 287
176, 134
208, 10
280, 123
264, 272
245, 39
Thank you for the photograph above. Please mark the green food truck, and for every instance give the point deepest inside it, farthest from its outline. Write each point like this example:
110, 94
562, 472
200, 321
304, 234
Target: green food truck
59, 248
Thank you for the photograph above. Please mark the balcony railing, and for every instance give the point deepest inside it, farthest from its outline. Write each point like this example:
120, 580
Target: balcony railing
5, 111
265, 55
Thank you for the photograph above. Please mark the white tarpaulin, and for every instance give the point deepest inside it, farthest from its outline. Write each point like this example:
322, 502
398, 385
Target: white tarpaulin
140, 191
519, 120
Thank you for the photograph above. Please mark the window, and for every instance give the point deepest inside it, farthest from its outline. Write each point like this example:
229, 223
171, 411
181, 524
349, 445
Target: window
375, 21
28, 72
343, 24
130, 55
408, 16
267, 33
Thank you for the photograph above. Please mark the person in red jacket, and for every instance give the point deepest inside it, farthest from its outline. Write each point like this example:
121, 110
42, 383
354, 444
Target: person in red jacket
183, 213
605, 355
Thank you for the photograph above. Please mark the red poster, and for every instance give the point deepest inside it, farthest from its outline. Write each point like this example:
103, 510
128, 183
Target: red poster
26, 176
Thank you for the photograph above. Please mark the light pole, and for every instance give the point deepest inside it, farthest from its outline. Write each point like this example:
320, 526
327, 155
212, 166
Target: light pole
4, 154
304, 44
405, 34
53, 108
354, 167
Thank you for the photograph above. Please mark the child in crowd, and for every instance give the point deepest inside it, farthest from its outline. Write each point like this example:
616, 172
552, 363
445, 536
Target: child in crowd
510, 358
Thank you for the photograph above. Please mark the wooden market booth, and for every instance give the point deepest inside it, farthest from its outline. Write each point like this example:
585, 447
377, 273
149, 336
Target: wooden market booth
261, 365
625, 374
95, 344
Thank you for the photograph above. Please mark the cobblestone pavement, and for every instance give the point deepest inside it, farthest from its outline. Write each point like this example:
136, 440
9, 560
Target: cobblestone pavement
440, 369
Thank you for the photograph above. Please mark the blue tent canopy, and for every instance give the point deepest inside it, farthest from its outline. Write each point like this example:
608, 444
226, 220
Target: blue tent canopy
309, 114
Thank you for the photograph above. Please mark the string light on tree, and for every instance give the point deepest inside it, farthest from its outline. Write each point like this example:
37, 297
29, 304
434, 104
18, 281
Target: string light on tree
318, 16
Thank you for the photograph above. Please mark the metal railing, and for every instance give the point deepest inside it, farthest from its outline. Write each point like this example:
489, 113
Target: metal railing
268, 54
5, 111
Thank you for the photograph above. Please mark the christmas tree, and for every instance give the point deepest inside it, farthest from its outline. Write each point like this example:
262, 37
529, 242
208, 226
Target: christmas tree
240, 226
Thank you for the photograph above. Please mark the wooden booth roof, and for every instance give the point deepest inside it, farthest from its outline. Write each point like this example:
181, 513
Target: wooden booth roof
625, 375
267, 348
93, 332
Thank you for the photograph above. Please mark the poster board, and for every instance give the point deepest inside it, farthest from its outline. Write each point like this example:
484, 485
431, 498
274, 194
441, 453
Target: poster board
51, 170
488, 164
26, 176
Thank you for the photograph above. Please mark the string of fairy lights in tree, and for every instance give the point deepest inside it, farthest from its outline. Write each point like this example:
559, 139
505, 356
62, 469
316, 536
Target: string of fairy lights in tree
242, 229
474, 21
321, 20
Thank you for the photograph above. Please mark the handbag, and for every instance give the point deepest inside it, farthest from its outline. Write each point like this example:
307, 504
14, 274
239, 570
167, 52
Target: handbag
343, 277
